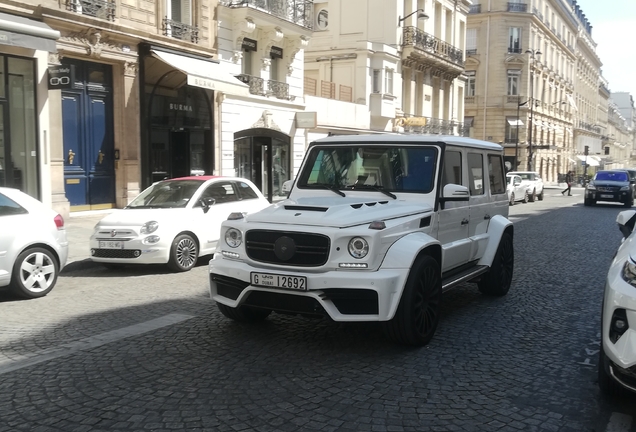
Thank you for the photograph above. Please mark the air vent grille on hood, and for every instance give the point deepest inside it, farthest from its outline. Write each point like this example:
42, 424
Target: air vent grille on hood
307, 208
368, 204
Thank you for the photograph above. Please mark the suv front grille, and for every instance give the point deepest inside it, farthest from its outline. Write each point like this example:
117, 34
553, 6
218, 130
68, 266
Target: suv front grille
608, 188
287, 248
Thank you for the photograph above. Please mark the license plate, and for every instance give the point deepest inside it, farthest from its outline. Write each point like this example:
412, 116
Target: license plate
109, 244
279, 281
607, 196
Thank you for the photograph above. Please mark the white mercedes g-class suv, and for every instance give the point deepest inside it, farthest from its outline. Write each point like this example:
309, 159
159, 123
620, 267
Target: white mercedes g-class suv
375, 228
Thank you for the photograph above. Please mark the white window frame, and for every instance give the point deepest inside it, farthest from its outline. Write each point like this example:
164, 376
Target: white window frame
514, 39
388, 81
471, 39
376, 81
470, 83
513, 82
185, 10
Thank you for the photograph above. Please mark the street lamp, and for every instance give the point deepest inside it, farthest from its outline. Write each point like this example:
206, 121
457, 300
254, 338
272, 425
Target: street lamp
519, 105
420, 15
533, 55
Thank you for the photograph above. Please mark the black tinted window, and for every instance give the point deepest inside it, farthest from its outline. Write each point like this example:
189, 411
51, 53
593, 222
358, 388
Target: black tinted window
9, 207
246, 191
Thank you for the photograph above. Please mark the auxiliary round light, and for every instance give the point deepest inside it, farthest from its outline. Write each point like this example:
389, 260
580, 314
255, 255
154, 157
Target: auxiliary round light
358, 247
233, 238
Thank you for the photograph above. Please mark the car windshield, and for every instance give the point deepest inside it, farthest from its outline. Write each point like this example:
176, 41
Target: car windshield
370, 167
611, 176
166, 194
525, 176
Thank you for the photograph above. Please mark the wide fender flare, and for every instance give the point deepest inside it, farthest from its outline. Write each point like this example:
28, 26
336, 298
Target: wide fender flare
497, 226
403, 252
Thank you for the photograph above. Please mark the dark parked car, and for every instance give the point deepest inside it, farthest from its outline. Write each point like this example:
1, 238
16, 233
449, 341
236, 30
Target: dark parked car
611, 186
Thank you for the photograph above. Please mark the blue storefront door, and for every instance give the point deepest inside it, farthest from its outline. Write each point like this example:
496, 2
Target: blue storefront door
89, 174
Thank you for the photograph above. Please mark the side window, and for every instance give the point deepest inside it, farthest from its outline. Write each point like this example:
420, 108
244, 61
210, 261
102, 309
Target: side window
222, 192
452, 168
246, 191
475, 174
9, 207
496, 174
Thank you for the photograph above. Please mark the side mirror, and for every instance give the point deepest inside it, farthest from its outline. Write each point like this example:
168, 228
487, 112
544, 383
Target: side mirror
206, 203
625, 221
454, 192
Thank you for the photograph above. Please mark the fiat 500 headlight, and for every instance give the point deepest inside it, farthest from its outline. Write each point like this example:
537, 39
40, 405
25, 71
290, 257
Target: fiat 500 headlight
358, 247
233, 238
149, 227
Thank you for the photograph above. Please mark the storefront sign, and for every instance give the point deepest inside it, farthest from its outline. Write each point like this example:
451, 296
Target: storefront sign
248, 44
306, 120
410, 121
179, 107
61, 77
276, 52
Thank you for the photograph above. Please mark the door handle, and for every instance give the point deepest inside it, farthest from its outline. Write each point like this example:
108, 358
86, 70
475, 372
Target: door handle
71, 156
464, 221
487, 217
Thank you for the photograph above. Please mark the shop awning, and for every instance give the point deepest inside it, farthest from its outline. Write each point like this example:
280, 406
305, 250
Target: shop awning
27, 33
203, 73
589, 160
515, 122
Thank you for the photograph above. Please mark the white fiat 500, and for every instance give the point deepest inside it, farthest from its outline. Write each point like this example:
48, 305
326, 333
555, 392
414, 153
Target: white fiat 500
173, 221
617, 363
33, 244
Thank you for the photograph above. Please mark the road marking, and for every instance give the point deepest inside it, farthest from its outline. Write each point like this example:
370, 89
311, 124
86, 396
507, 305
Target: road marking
619, 423
90, 342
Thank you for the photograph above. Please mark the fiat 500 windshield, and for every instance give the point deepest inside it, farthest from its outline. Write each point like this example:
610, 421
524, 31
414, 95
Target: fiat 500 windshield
166, 194
383, 169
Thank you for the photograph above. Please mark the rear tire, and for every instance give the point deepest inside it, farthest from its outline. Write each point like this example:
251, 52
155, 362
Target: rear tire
34, 274
417, 316
243, 313
497, 281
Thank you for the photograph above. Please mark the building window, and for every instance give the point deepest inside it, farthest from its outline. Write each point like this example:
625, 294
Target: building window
388, 81
514, 40
180, 11
471, 41
607, 151
376, 81
470, 83
322, 19
512, 129
513, 82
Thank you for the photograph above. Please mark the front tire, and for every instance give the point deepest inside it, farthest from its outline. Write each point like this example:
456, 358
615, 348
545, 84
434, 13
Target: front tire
525, 197
540, 196
497, 281
533, 195
243, 313
417, 316
512, 199
183, 253
589, 202
35, 273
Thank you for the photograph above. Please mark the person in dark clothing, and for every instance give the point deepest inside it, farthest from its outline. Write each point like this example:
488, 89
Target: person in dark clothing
569, 177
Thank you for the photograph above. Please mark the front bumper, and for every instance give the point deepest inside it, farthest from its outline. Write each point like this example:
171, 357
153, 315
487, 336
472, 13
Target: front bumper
343, 295
619, 295
620, 196
132, 251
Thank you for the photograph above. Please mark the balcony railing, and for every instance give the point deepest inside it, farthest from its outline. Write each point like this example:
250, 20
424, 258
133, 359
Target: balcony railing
471, 51
512, 50
256, 84
328, 90
179, 30
295, 11
475, 9
278, 89
103, 9
517, 7
427, 42
436, 126
589, 127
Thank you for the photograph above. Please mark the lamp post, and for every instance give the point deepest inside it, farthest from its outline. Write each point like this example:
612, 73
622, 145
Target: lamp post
533, 54
519, 105
420, 15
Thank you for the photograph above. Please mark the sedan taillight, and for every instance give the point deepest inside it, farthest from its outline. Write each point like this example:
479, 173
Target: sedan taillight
59, 221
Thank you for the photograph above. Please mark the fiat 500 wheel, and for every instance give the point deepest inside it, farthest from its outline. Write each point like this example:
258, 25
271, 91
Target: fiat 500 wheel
34, 273
183, 253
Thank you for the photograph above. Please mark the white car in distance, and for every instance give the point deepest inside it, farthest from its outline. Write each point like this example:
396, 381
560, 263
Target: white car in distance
33, 244
173, 222
517, 191
534, 183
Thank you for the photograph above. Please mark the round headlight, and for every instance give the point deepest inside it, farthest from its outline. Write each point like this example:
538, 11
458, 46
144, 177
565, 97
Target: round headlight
233, 238
358, 247
149, 227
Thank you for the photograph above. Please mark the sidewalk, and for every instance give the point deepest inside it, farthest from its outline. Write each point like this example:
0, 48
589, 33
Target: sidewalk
79, 227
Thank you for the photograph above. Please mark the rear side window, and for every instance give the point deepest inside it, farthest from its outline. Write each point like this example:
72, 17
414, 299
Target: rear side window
476, 173
496, 174
8, 207
246, 191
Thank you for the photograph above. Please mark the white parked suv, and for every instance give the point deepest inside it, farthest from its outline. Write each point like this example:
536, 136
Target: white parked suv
375, 228
533, 180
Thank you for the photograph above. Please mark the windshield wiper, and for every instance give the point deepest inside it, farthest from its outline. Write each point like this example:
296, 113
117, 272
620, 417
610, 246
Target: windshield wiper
326, 186
373, 187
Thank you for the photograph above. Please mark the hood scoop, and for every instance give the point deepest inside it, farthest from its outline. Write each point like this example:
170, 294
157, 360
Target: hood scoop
369, 204
306, 208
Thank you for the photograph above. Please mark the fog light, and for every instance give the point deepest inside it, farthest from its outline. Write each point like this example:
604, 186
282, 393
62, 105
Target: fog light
137, 253
92, 251
619, 325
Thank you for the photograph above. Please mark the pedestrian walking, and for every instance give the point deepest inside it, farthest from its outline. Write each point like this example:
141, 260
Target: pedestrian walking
569, 177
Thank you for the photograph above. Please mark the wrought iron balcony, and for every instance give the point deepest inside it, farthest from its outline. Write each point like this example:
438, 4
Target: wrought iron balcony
517, 7
436, 126
475, 9
295, 11
103, 9
278, 89
257, 84
512, 50
429, 43
471, 51
179, 30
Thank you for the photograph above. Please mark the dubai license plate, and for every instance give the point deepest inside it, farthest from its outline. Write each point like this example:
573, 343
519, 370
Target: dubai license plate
607, 196
111, 244
279, 281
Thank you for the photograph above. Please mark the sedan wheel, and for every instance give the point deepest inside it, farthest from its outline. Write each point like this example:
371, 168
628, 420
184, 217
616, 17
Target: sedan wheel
34, 273
183, 253
512, 199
